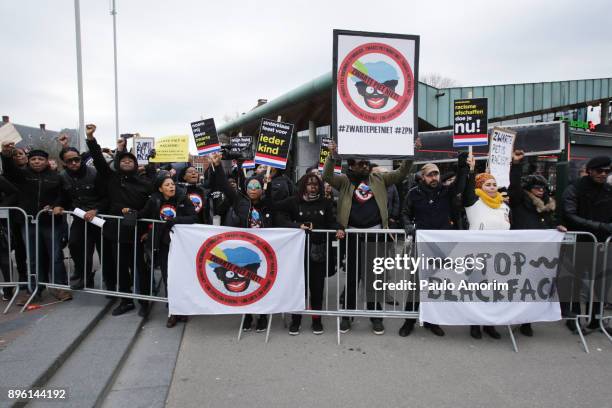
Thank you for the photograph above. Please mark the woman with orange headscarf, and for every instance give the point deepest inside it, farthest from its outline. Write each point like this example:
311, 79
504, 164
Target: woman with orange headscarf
486, 210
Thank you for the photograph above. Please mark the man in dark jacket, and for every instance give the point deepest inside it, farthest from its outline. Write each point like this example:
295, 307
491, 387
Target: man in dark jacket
82, 189
281, 186
430, 205
587, 206
127, 193
39, 189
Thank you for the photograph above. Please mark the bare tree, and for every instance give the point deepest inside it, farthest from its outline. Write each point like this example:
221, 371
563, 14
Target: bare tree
438, 81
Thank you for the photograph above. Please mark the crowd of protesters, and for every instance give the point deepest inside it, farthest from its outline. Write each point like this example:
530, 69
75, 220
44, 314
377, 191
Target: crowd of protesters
101, 181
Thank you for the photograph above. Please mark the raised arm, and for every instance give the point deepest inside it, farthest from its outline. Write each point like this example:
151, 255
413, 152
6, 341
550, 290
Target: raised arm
335, 180
515, 190
397, 176
96, 152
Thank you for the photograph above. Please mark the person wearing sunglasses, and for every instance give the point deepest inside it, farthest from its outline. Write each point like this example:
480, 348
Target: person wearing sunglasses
587, 206
82, 188
531, 206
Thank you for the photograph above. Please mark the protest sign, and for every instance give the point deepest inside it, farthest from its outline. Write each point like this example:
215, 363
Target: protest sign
205, 136
143, 146
170, 149
8, 134
374, 109
488, 277
240, 143
273, 143
223, 270
470, 119
324, 152
500, 155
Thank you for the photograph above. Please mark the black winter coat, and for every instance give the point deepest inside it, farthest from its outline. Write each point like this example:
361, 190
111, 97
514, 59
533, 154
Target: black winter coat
297, 212
83, 189
525, 214
586, 206
180, 205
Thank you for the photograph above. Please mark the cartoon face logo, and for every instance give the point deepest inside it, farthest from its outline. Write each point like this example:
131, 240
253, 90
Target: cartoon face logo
363, 193
235, 267
255, 219
197, 201
166, 212
383, 73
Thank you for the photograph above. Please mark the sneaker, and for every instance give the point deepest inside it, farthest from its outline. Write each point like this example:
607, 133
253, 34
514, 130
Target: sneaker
246, 325
317, 326
475, 332
406, 328
345, 325
377, 327
490, 330
526, 330
294, 328
123, 307
434, 328
7, 294
62, 295
262, 324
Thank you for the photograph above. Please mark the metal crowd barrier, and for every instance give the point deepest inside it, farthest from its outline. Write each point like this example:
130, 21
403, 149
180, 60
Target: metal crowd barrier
9, 263
60, 230
606, 292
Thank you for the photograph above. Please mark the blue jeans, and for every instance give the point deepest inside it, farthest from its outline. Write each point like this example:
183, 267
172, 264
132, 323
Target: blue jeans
50, 251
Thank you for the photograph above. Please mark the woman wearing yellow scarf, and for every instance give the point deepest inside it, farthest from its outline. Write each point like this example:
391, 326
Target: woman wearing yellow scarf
485, 210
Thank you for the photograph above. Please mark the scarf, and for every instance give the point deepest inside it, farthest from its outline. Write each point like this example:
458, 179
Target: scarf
495, 202
539, 203
310, 197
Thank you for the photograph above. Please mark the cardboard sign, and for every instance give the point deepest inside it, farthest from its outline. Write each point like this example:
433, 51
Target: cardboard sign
374, 109
205, 136
324, 152
171, 149
470, 122
143, 146
500, 155
8, 134
273, 143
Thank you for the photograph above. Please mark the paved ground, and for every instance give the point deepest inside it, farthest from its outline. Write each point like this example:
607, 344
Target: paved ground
551, 369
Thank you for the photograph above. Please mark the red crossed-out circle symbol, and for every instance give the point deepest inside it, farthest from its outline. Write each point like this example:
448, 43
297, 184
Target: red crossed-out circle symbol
206, 255
347, 67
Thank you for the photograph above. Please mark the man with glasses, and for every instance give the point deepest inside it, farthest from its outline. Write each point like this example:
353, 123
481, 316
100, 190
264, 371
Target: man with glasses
362, 203
81, 189
587, 206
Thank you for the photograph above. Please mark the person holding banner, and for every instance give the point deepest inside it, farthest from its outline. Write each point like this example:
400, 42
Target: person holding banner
485, 210
246, 211
173, 207
362, 203
309, 210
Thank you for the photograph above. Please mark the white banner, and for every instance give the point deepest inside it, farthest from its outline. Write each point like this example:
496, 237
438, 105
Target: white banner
223, 270
376, 80
469, 288
500, 155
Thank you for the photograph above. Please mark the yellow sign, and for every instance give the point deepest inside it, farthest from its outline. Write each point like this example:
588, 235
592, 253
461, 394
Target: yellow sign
170, 149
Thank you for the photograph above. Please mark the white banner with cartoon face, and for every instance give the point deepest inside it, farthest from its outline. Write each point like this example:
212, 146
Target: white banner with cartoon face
224, 270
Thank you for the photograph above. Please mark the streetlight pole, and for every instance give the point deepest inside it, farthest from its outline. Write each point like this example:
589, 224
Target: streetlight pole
77, 21
114, 14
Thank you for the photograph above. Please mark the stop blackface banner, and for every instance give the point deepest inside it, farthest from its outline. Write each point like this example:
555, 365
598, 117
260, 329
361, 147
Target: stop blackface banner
488, 277
374, 112
223, 270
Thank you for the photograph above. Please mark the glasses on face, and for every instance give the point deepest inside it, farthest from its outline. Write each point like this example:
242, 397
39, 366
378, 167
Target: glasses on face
73, 160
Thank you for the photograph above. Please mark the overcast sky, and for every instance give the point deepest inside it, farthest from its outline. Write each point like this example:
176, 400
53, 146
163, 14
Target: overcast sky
182, 60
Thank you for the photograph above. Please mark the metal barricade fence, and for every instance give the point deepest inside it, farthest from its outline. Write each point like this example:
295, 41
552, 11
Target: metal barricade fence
606, 289
16, 272
132, 278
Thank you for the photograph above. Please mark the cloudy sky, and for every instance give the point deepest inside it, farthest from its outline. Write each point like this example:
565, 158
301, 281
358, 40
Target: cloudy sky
182, 60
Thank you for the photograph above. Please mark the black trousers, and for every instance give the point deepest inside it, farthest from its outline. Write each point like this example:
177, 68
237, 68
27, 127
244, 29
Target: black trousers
316, 284
134, 276
355, 262
82, 248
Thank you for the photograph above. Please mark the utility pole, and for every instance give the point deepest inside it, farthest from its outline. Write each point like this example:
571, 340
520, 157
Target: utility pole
114, 14
77, 21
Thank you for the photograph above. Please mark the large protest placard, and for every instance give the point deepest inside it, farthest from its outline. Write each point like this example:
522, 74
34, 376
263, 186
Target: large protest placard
374, 109
8, 134
324, 151
488, 277
500, 155
273, 143
223, 270
205, 136
143, 147
171, 149
470, 122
